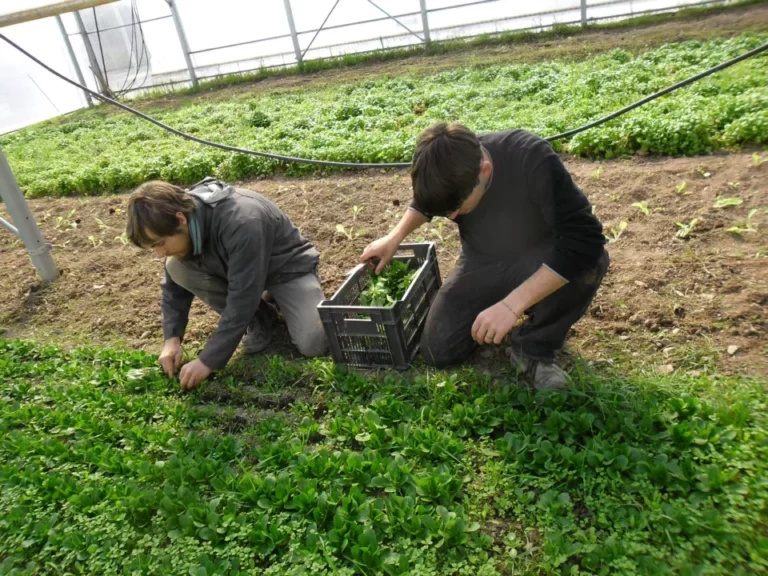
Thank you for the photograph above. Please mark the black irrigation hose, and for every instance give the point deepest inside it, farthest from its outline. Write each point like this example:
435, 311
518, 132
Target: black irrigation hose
660, 93
195, 138
624, 110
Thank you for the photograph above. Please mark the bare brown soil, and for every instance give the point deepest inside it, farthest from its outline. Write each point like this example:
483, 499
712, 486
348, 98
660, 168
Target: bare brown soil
667, 303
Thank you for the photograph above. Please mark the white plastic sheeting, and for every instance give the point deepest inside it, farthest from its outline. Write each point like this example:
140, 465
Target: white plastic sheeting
28, 94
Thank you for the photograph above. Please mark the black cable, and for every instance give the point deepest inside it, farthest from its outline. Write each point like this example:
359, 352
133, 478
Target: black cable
624, 110
101, 49
660, 93
126, 83
136, 50
144, 50
195, 138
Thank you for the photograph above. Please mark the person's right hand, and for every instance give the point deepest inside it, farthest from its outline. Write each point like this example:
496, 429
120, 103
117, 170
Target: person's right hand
384, 249
171, 356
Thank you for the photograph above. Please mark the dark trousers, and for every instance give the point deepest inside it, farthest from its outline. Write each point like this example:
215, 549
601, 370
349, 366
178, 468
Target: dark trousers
473, 286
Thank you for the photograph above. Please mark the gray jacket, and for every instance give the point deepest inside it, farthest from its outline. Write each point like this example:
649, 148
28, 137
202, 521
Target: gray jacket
249, 242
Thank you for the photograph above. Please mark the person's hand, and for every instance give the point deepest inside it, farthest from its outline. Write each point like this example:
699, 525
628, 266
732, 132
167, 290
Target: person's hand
193, 373
384, 249
170, 357
494, 323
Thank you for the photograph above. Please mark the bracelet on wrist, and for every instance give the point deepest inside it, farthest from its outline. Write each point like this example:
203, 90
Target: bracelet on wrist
510, 309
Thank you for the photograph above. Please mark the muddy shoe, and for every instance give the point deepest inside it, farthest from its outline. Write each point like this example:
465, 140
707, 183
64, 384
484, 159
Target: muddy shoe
541, 375
259, 333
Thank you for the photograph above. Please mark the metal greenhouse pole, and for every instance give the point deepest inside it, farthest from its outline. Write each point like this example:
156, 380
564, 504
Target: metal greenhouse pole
73, 58
183, 41
24, 225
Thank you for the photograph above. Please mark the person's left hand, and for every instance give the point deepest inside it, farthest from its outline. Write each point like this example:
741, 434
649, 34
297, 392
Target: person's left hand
493, 324
193, 373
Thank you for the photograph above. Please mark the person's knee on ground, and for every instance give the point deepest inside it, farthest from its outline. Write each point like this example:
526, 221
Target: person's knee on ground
312, 342
435, 350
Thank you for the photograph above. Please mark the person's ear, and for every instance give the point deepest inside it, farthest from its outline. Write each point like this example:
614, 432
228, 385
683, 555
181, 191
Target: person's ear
485, 169
182, 219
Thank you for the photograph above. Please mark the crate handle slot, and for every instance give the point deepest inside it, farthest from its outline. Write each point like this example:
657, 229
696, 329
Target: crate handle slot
410, 249
360, 327
406, 248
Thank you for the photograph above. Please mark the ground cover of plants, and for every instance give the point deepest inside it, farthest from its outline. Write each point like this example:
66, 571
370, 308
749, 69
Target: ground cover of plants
302, 468
378, 120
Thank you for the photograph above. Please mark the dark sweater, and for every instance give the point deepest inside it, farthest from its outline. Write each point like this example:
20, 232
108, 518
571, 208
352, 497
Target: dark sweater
247, 241
532, 201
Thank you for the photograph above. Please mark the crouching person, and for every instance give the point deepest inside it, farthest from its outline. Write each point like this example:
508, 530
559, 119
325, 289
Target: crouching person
227, 246
530, 246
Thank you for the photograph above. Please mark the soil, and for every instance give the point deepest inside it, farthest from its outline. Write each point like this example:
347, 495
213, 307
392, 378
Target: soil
667, 303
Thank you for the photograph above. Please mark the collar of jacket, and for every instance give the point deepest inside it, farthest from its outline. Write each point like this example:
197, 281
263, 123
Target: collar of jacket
206, 194
195, 232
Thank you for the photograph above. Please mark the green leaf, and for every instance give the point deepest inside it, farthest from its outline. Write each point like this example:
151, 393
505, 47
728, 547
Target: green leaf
643, 206
368, 539
722, 202
675, 469
136, 374
620, 462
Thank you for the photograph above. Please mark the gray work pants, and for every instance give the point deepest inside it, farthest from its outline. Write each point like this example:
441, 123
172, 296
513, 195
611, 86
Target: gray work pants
297, 299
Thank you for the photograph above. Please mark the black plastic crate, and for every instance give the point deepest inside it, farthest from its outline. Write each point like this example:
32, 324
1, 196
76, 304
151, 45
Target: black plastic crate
369, 336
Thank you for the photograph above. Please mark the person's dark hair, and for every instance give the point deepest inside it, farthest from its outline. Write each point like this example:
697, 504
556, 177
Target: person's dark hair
152, 208
446, 167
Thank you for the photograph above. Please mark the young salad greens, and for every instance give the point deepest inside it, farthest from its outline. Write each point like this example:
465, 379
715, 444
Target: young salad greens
388, 287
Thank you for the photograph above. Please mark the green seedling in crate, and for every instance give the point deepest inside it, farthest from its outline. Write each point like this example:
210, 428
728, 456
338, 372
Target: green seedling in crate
388, 287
